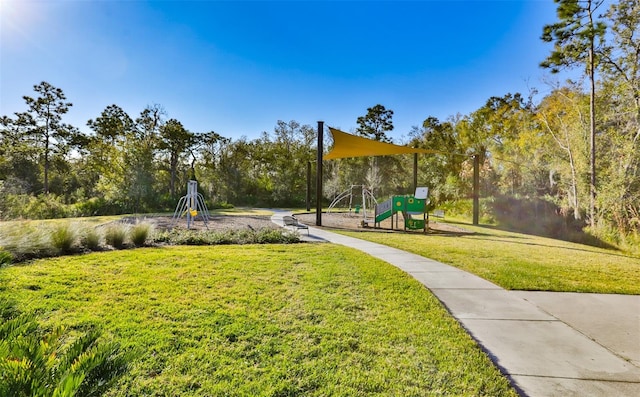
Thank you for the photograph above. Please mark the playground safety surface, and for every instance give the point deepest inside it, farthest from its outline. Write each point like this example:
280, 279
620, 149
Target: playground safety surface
353, 221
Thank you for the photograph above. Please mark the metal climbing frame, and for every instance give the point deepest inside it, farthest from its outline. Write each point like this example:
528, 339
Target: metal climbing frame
192, 205
367, 197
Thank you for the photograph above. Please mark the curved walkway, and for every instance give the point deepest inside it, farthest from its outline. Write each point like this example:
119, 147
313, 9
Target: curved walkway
549, 344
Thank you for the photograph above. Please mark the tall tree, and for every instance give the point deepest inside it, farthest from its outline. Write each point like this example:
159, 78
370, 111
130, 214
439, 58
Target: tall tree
112, 125
621, 56
561, 116
140, 154
376, 123
439, 171
107, 148
44, 123
291, 149
576, 37
380, 170
18, 159
242, 172
619, 196
175, 141
210, 148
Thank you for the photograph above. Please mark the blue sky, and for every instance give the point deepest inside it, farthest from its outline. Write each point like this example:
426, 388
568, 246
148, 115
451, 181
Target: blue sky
237, 67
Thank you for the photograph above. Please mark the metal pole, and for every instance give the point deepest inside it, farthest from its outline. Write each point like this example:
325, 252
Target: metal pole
308, 195
364, 203
319, 174
415, 171
476, 189
192, 192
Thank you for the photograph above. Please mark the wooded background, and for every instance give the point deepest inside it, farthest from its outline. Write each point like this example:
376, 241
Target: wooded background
574, 152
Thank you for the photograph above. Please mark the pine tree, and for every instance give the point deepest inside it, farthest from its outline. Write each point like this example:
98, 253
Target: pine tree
576, 37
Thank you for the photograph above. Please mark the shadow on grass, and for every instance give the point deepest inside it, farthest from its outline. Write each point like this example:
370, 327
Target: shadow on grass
542, 218
488, 237
579, 237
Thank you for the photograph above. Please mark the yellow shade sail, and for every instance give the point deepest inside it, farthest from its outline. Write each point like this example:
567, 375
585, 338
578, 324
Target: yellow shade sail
347, 145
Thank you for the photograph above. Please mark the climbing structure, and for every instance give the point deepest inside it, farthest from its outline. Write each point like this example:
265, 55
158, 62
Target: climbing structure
354, 201
192, 205
413, 209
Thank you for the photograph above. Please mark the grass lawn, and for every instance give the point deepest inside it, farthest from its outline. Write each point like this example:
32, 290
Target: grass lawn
99, 220
8, 226
523, 262
242, 211
260, 320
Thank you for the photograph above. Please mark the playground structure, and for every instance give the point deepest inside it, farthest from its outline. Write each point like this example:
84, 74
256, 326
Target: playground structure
368, 200
410, 206
347, 145
192, 205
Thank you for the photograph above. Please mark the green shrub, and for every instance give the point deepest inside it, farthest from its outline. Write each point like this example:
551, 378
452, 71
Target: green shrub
222, 238
631, 243
115, 235
275, 236
45, 207
63, 237
89, 207
97, 206
16, 206
205, 237
464, 209
139, 233
222, 205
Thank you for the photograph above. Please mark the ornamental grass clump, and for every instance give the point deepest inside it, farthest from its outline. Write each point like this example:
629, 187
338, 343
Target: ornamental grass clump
63, 237
91, 239
139, 233
115, 235
25, 240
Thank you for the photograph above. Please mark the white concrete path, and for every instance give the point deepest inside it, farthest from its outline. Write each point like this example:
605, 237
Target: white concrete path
549, 344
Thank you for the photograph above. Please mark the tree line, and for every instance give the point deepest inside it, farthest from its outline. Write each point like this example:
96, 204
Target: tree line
577, 147
143, 164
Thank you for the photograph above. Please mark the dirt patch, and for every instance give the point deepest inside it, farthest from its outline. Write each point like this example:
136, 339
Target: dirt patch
352, 221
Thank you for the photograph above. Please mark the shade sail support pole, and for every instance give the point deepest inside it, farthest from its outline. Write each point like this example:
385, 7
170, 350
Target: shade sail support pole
319, 174
308, 195
476, 189
415, 171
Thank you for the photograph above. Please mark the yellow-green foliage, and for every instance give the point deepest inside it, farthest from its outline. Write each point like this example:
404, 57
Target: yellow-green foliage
58, 362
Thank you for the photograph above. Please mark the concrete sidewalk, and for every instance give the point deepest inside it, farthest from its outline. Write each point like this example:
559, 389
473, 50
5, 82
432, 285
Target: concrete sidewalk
549, 344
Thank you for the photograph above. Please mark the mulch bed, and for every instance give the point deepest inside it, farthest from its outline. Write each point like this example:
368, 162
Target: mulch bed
219, 223
335, 220
353, 221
